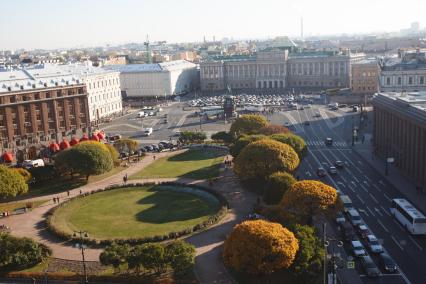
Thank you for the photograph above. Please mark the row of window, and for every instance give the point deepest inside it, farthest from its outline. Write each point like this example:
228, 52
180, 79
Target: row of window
107, 109
411, 80
98, 98
103, 83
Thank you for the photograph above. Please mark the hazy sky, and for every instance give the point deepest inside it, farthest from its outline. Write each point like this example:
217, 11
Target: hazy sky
70, 23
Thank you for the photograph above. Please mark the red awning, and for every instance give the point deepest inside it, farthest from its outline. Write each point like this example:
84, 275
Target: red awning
54, 147
101, 135
95, 137
84, 138
7, 157
64, 144
73, 141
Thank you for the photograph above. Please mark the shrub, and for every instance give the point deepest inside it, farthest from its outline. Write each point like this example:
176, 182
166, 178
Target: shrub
273, 129
181, 257
115, 156
247, 124
192, 137
153, 257
222, 136
293, 140
126, 145
24, 173
114, 254
20, 253
260, 159
309, 198
277, 184
236, 148
11, 183
41, 174
260, 247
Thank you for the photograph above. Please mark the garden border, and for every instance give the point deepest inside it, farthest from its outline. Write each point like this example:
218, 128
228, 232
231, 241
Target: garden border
214, 219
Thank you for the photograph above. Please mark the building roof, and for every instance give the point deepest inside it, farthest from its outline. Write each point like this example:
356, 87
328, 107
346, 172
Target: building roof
154, 67
395, 64
366, 61
411, 104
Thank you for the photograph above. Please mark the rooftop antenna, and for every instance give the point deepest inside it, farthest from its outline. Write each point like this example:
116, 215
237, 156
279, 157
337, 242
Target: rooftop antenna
148, 51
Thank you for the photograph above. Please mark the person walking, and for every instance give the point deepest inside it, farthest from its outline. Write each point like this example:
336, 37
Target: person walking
54, 200
68, 193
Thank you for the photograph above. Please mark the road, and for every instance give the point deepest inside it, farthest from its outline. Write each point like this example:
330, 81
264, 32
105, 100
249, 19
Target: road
369, 191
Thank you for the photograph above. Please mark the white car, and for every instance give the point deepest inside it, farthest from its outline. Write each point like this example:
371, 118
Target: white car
358, 248
373, 244
340, 219
151, 113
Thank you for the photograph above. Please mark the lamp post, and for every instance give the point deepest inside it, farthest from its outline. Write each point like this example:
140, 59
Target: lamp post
82, 235
334, 257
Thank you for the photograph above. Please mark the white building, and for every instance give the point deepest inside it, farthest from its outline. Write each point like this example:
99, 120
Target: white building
157, 80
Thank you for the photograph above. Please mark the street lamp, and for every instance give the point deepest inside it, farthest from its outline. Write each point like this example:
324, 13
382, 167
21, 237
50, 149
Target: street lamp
334, 257
82, 235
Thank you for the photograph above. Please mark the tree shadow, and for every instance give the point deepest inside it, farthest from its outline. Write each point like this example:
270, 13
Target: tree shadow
196, 155
203, 173
170, 206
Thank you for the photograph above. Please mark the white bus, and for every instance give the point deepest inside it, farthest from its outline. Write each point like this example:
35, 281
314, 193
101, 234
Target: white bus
411, 218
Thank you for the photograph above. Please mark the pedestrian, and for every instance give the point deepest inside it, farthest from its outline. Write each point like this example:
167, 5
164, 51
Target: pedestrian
54, 200
57, 199
81, 192
153, 157
68, 193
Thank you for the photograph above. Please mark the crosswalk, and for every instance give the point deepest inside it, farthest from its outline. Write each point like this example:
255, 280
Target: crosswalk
321, 143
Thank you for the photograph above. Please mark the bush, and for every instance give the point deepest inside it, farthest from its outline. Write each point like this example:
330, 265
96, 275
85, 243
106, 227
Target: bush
260, 247
222, 136
309, 198
20, 253
86, 158
192, 137
247, 124
115, 255
260, 159
11, 183
293, 140
181, 257
115, 156
236, 148
41, 174
273, 129
277, 184
24, 173
126, 145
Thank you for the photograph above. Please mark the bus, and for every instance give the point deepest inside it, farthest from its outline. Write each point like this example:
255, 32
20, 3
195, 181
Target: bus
412, 219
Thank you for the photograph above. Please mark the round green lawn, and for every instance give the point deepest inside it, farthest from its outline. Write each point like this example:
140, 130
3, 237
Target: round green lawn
134, 212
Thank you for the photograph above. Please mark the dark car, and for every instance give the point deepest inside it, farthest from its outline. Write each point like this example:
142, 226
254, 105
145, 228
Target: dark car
149, 148
321, 172
369, 267
332, 170
124, 155
339, 164
387, 263
155, 148
307, 122
328, 141
348, 232
363, 231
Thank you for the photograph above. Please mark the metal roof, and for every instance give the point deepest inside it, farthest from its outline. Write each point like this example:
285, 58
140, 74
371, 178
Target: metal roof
155, 67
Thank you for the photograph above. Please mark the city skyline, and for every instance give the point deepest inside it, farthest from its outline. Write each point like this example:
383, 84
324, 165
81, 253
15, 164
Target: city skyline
92, 23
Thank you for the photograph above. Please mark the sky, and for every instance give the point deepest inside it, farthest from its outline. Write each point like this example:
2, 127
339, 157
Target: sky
51, 24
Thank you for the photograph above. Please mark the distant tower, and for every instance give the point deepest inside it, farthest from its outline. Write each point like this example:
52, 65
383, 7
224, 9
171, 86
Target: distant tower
148, 51
214, 39
204, 39
301, 28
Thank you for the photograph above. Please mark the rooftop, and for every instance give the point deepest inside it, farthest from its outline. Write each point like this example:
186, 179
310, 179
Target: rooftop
391, 64
411, 103
154, 67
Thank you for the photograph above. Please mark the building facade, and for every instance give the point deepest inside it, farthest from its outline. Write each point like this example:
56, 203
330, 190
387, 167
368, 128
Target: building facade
400, 132
365, 77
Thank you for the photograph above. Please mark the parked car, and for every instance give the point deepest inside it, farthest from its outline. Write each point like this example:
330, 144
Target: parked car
358, 248
124, 155
363, 231
373, 244
340, 218
332, 170
307, 122
328, 141
149, 148
348, 232
387, 263
317, 114
354, 217
155, 148
339, 164
369, 266
321, 172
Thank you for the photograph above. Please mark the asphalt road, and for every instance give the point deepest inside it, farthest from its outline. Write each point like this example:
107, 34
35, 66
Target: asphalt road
369, 191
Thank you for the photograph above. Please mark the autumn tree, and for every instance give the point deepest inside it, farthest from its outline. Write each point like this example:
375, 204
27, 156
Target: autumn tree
260, 247
295, 141
24, 173
260, 159
12, 183
243, 141
277, 184
273, 129
126, 145
222, 136
309, 198
247, 124
115, 156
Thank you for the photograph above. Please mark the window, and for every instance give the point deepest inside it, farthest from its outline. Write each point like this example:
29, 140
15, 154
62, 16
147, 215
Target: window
399, 80
410, 80
388, 81
422, 80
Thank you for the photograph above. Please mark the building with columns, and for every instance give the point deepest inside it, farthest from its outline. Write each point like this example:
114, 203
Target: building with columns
400, 132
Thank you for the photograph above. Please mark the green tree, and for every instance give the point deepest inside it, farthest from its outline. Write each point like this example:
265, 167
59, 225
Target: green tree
293, 140
153, 257
19, 253
115, 156
126, 145
181, 257
277, 184
247, 124
134, 258
86, 158
24, 173
260, 159
222, 136
307, 199
309, 258
273, 129
11, 183
115, 255
192, 137
243, 141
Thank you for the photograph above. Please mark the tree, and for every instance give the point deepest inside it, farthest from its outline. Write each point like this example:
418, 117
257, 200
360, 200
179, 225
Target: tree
277, 184
134, 258
309, 198
247, 124
243, 141
273, 129
293, 140
181, 257
11, 183
20, 253
86, 158
260, 159
126, 145
260, 247
115, 156
115, 255
24, 173
153, 257
192, 137
222, 136
309, 258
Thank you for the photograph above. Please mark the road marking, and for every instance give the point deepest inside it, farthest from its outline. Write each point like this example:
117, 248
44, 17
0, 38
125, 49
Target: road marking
359, 162
381, 182
356, 178
369, 210
351, 188
398, 225
386, 211
360, 198
367, 178
397, 243
308, 173
376, 187
372, 197
363, 187
341, 183
366, 183
378, 211
416, 243
344, 179
363, 211
387, 197
383, 226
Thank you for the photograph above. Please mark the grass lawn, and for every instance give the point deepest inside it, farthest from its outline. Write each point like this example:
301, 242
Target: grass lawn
10, 206
133, 213
195, 164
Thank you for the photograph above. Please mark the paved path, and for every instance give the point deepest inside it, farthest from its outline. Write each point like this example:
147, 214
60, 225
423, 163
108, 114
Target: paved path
209, 267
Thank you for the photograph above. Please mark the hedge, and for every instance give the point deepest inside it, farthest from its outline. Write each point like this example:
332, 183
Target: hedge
172, 235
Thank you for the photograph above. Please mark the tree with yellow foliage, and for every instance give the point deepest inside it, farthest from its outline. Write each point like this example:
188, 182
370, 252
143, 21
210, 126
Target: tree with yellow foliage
309, 198
247, 124
260, 247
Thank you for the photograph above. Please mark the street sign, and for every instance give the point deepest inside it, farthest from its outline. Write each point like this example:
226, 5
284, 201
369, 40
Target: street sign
351, 264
